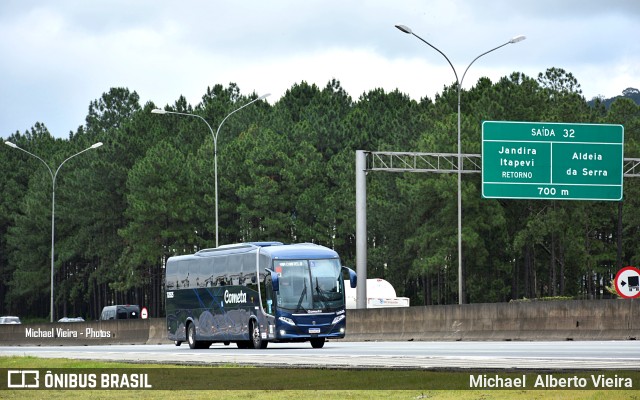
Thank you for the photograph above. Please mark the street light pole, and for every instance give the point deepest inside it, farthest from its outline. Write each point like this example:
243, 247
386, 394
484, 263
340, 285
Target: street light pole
515, 39
215, 143
53, 205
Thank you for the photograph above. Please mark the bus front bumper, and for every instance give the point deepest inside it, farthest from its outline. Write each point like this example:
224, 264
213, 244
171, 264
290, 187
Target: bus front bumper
287, 330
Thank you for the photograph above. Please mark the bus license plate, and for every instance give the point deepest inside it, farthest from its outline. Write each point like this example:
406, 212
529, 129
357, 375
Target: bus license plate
314, 330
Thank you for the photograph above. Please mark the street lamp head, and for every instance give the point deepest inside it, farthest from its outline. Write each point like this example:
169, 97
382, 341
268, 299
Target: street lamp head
264, 96
517, 39
95, 146
11, 145
404, 29
158, 111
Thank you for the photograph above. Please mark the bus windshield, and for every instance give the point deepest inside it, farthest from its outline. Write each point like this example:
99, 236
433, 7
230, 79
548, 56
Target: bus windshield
310, 285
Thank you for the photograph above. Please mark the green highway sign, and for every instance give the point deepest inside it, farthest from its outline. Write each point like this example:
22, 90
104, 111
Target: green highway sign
559, 161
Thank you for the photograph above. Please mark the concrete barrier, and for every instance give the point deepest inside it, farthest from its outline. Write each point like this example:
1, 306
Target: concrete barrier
527, 321
535, 320
158, 331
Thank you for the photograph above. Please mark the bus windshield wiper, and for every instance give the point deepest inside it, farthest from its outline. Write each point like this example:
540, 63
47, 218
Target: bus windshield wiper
321, 294
302, 295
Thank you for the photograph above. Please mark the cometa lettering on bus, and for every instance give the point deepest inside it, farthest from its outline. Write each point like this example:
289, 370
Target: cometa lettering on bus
240, 297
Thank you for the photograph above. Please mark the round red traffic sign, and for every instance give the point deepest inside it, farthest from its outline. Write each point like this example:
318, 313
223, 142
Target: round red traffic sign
627, 282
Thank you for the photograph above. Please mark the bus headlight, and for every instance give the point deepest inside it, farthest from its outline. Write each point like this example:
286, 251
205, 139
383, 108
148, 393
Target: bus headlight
337, 319
287, 321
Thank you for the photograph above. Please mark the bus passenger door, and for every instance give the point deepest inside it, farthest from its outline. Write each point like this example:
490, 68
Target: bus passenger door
267, 293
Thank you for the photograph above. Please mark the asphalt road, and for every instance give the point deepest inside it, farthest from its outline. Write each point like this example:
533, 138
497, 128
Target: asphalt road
565, 355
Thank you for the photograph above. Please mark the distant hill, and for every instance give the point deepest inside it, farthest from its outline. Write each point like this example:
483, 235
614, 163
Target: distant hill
632, 93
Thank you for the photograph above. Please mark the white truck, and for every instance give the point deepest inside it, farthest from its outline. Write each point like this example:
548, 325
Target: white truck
380, 294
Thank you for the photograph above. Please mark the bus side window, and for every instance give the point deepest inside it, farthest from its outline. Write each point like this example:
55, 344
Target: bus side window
204, 275
209, 273
220, 271
234, 265
172, 276
201, 272
183, 275
249, 269
194, 273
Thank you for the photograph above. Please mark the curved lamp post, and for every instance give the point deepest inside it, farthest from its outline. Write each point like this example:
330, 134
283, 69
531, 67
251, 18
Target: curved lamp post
53, 204
516, 39
215, 142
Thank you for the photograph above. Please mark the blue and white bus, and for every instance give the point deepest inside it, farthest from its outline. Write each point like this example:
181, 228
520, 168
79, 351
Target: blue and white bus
255, 293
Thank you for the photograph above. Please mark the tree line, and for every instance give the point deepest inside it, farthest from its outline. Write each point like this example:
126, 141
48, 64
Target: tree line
286, 172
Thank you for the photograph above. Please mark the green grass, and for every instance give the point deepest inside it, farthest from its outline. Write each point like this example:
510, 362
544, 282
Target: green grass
338, 377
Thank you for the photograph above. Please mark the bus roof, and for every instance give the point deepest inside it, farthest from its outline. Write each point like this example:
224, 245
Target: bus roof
299, 251
275, 250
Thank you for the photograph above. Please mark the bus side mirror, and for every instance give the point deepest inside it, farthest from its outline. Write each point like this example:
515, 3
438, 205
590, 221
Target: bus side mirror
275, 280
353, 278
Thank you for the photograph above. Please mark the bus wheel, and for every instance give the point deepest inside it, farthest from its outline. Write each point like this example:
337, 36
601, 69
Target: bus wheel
317, 343
256, 338
243, 344
177, 343
191, 336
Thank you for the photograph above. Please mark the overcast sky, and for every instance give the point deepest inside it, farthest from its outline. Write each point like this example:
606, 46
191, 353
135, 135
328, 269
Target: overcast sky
58, 56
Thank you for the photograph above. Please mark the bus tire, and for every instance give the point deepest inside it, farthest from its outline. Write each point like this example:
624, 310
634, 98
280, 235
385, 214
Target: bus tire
177, 343
191, 336
317, 343
256, 337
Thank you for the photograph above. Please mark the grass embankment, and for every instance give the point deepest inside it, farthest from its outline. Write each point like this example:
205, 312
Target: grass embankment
339, 378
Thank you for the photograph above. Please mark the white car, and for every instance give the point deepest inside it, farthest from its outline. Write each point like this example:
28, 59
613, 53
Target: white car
9, 320
71, 319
